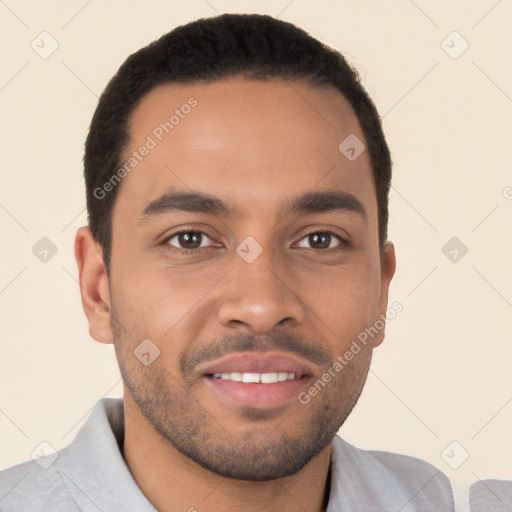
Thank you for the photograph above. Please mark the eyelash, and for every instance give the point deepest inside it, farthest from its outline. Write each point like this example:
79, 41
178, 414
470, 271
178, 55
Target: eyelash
343, 243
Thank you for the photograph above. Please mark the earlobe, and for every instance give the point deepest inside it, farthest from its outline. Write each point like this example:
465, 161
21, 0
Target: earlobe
388, 267
94, 288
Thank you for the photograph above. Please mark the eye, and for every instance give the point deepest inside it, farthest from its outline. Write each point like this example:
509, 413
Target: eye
322, 240
187, 240
190, 241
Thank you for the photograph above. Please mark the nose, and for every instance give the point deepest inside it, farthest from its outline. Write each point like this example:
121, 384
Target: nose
260, 297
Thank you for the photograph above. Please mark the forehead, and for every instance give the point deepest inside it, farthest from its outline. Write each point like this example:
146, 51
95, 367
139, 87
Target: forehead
247, 142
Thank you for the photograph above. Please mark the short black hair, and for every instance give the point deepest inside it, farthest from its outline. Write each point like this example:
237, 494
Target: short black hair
258, 47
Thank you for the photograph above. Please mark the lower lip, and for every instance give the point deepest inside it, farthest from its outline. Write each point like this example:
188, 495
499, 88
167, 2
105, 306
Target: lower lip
259, 396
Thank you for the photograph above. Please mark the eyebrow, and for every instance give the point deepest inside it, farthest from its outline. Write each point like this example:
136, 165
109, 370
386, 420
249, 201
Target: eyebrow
198, 202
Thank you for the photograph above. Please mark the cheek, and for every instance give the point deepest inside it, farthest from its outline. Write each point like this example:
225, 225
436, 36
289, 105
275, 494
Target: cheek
170, 303
157, 302
346, 301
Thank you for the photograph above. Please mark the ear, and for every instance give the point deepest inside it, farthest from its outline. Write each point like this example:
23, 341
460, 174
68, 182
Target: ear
388, 266
93, 285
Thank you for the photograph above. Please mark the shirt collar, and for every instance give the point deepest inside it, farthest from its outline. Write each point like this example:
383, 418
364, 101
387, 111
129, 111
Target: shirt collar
97, 476
93, 467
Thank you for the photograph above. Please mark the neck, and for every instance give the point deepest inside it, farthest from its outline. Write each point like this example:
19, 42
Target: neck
171, 481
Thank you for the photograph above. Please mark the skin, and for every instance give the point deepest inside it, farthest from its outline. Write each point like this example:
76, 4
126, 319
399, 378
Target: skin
255, 145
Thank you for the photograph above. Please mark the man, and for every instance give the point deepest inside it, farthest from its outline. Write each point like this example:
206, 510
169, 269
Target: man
236, 256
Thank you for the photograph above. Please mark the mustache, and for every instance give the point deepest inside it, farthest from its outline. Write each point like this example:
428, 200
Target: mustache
248, 342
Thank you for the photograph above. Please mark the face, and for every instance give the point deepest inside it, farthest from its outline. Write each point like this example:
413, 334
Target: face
245, 249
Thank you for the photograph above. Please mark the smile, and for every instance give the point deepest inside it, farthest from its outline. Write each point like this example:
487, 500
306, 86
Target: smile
256, 378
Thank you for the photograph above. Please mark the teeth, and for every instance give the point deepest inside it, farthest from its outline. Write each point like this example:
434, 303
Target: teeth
268, 378
282, 376
257, 378
251, 377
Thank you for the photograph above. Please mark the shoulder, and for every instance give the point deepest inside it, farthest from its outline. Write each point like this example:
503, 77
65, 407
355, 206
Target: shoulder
35, 486
491, 495
391, 480
53, 481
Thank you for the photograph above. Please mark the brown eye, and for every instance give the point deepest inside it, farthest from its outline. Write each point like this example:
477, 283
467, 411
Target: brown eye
321, 240
188, 240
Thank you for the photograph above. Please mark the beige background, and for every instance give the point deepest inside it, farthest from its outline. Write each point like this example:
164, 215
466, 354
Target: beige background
443, 373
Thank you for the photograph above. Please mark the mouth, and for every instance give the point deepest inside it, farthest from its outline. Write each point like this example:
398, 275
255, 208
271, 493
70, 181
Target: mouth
256, 380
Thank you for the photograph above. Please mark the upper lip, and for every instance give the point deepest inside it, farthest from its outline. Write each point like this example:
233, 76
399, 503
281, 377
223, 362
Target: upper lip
257, 362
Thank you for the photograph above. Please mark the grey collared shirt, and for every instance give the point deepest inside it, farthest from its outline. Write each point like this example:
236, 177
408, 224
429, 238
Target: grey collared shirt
90, 475
491, 496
